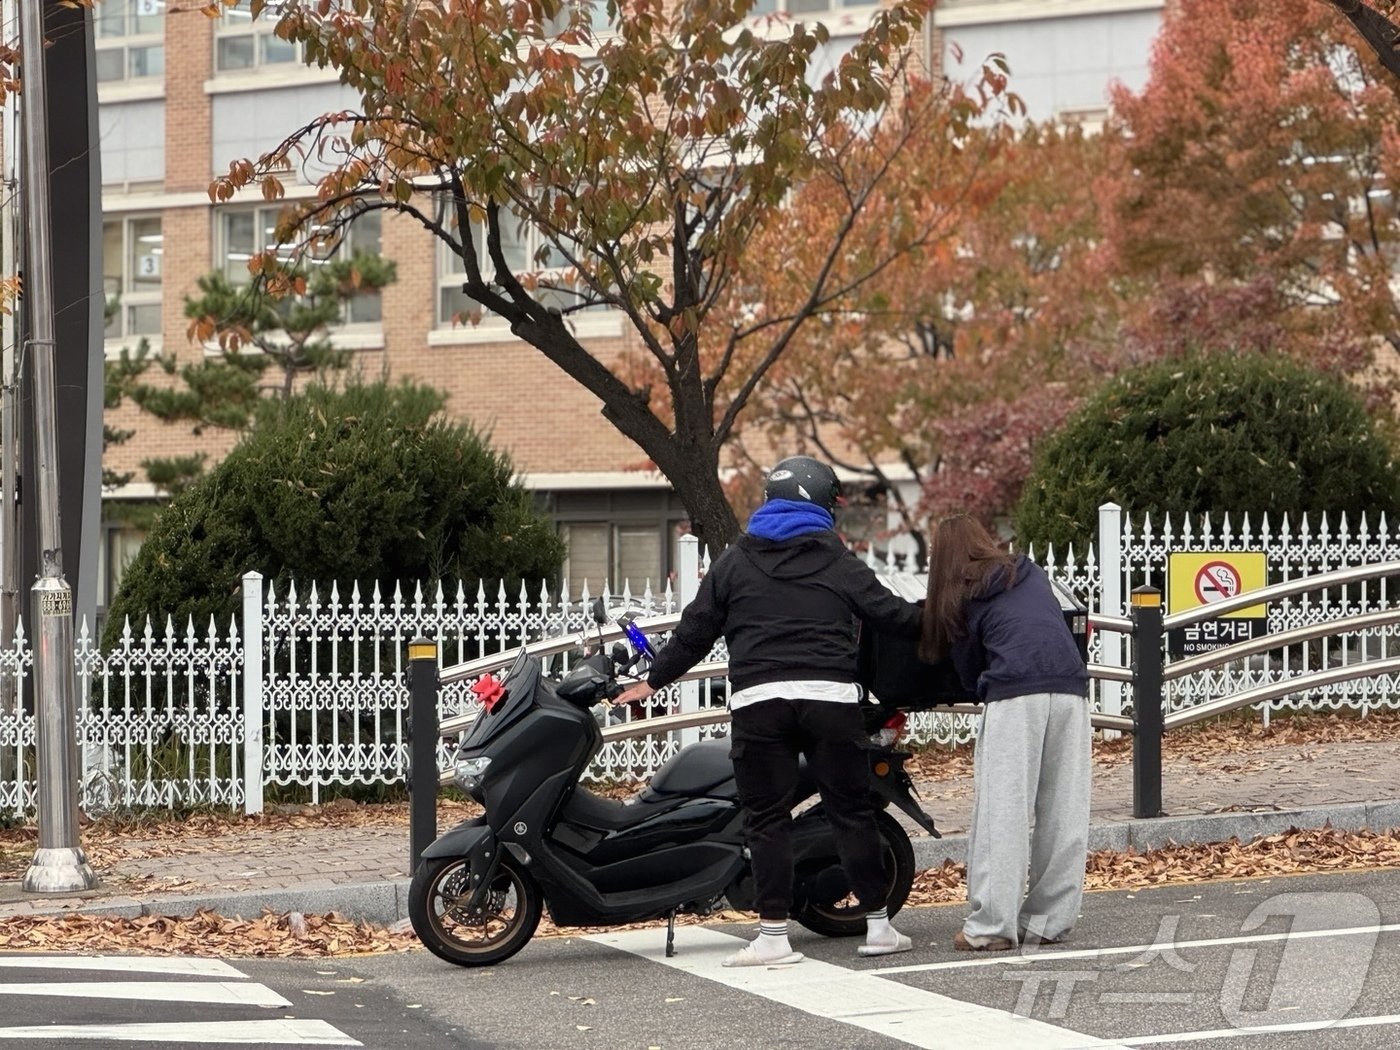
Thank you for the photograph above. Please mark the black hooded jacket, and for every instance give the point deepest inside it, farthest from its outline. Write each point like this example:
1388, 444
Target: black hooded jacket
788, 611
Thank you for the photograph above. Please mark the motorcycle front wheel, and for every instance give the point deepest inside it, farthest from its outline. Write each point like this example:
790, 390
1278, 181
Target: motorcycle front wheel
500, 927
845, 917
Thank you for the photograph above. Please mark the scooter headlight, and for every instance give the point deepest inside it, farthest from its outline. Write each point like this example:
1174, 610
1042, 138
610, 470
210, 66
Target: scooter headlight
469, 772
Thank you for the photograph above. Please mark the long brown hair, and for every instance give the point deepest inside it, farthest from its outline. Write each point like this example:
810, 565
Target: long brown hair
961, 557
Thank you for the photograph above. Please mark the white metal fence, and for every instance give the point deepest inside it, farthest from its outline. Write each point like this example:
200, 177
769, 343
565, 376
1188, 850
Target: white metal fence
305, 690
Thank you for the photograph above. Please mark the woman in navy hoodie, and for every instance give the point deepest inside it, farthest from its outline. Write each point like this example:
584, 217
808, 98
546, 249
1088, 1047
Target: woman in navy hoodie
997, 616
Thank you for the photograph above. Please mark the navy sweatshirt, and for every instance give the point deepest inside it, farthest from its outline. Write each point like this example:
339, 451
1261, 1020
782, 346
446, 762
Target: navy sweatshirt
1017, 641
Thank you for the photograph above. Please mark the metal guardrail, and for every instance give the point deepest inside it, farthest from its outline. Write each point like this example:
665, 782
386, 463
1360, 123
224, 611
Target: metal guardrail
1298, 684
1262, 644
550, 646
1104, 622
1150, 628
1147, 626
460, 723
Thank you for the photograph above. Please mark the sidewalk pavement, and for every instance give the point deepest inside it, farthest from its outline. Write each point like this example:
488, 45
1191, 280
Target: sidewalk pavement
361, 870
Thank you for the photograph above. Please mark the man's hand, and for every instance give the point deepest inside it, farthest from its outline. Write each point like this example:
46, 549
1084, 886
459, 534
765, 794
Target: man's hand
640, 691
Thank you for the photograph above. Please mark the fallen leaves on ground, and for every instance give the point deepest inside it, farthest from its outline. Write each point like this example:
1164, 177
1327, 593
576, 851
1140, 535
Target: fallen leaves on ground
205, 933
295, 935
1292, 852
1245, 734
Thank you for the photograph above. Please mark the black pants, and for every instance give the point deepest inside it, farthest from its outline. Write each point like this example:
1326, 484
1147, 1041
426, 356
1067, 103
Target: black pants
767, 738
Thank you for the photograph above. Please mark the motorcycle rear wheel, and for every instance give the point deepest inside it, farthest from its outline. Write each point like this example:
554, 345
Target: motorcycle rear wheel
846, 918
437, 907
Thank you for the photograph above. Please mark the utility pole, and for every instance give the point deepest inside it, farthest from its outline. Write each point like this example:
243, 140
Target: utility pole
10, 237
59, 864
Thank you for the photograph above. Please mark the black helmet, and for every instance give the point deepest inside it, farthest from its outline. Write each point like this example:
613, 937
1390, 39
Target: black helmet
803, 478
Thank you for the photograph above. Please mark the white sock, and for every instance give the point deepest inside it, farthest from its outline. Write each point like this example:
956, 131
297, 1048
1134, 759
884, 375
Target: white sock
877, 927
772, 941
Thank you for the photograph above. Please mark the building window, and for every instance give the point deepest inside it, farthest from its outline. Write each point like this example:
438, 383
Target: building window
242, 42
120, 544
526, 253
245, 233
595, 14
617, 538
130, 39
614, 555
805, 7
131, 265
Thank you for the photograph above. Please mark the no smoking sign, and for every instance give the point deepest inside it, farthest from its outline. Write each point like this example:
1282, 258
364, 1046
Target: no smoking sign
1198, 578
1217, 581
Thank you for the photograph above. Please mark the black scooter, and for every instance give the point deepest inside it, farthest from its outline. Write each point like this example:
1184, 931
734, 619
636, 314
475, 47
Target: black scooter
545, 840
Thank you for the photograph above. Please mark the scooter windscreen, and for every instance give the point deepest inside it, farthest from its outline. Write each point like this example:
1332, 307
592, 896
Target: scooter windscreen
503, 702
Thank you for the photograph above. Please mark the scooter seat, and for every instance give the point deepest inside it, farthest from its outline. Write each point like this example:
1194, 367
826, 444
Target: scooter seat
599, 813
700, 769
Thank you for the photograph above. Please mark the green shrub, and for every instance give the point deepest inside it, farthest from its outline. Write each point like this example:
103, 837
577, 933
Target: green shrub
1236, 433
365, 483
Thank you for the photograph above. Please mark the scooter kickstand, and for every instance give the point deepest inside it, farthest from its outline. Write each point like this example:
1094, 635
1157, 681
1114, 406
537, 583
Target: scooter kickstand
670, 933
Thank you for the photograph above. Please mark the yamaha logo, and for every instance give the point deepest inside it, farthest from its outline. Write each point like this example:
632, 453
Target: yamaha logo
520, 827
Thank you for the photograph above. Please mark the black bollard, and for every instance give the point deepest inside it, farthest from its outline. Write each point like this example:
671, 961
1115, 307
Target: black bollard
1147, 701
422, 747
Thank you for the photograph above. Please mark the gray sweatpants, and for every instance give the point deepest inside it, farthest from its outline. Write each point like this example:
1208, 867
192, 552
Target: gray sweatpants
1031, 768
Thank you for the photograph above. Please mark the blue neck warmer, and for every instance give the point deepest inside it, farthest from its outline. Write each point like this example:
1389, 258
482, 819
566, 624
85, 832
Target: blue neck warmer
785, 519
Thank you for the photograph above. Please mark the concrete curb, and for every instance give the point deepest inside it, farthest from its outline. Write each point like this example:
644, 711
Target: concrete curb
384, 903
381, 903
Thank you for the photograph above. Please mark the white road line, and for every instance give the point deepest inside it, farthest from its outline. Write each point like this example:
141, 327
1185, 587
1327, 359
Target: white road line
1269, 1029
123, 964
1054, 955
222, 992
856, 997
188, 1033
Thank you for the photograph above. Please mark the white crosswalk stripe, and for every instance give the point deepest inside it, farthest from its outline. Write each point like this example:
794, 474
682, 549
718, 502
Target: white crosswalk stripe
910, 1015
194, 1033
125, 979
123, 963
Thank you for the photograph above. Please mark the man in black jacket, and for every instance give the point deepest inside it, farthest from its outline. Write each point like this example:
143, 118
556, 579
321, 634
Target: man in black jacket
787, 597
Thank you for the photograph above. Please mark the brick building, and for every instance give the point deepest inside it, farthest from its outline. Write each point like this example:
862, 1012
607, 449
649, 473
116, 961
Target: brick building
181, 95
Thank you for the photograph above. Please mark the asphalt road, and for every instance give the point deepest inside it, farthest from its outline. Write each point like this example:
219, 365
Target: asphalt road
1289, 963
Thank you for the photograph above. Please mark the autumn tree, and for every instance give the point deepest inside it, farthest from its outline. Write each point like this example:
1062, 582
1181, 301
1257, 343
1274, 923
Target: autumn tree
966, 352
1257, 187
643, 154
